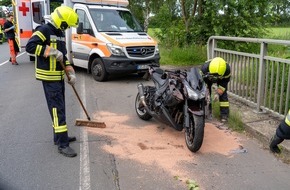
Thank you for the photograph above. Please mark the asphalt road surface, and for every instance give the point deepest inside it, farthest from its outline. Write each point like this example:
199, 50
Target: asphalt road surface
128, 154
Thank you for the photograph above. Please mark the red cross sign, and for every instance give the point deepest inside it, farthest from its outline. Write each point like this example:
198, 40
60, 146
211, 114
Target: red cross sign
24, 9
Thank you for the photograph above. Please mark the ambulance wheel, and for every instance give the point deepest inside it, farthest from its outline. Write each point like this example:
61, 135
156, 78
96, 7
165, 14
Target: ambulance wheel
99, 71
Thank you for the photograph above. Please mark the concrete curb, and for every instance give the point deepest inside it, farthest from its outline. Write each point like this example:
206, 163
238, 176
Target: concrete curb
261, 126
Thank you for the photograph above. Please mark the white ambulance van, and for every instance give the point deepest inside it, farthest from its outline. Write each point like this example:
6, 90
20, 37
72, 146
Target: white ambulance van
108, 40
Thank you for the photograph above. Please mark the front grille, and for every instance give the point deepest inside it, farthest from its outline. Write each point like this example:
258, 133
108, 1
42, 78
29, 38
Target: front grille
140, 51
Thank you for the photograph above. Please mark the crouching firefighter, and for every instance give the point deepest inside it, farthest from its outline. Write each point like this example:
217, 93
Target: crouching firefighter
282, 132
48, 45
219, 72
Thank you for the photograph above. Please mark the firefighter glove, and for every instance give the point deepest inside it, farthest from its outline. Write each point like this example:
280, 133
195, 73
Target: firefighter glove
220, 91
71, 75
50, 51
72, 78
216, 97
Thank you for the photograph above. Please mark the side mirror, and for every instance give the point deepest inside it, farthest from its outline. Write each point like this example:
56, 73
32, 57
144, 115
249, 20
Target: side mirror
80, 28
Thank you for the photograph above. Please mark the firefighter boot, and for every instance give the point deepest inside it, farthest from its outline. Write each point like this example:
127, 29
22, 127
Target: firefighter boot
70, 139
224, 118
67, 151
274, 144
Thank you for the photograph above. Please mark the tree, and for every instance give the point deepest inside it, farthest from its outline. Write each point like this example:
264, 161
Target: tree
5, 2
143, 9
245, 18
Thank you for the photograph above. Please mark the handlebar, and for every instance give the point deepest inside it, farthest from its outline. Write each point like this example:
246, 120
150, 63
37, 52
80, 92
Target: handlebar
177, 72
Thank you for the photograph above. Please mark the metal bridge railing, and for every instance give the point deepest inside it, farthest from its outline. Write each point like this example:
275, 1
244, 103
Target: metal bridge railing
259, 79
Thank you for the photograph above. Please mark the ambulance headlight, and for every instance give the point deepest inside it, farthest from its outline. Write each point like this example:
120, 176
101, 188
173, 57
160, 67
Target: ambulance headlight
157, 50
115, 50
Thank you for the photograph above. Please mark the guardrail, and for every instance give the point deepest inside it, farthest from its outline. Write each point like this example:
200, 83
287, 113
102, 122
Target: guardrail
258, 79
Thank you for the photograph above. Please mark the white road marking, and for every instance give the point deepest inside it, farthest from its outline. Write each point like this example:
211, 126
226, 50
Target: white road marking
8, 61
85, 179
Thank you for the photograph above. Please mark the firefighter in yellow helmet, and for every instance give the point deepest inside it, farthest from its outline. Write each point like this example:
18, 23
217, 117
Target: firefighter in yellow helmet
48, 45
219, 72
282, 132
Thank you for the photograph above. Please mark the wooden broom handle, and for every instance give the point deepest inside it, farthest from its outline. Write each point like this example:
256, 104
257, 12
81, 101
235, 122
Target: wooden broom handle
76, 93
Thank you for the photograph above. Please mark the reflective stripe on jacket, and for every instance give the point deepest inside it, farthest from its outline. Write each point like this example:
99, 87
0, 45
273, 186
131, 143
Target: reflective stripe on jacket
287, 118
47, 69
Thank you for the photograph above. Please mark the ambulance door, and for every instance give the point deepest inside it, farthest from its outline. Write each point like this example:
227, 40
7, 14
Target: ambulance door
83, 41
23, 25
29, 14
40, 8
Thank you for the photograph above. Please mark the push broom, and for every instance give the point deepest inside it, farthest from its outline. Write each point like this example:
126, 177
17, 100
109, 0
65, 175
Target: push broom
83, 122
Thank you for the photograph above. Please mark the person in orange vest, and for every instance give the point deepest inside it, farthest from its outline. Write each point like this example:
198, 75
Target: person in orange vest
10, 35
282, 132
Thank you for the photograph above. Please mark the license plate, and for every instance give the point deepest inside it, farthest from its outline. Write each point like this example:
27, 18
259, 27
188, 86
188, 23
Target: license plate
142, 67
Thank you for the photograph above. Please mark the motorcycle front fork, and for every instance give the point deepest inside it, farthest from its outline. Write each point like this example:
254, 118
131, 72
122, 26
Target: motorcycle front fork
186, 115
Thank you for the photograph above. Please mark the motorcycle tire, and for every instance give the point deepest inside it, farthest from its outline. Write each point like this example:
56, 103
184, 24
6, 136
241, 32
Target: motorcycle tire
140, 109
194, 133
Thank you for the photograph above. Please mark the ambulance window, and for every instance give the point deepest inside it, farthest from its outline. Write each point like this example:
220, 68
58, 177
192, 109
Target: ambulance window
109, 20
87, 28
38, 12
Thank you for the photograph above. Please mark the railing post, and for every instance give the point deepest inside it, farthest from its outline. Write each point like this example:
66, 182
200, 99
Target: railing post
262, 70
211, 44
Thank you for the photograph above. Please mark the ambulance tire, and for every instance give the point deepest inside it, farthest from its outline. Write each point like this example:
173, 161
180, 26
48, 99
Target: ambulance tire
99, 71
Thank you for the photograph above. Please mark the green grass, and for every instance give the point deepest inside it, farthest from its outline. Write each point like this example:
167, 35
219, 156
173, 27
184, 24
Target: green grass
196, 55
193, 55
278, 33
234, 121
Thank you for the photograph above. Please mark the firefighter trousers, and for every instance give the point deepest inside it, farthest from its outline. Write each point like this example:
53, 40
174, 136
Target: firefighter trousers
223, 100
55, 98
283, 131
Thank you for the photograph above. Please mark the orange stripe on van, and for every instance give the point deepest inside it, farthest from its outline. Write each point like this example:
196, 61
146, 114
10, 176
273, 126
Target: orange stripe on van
26, 34
91, 42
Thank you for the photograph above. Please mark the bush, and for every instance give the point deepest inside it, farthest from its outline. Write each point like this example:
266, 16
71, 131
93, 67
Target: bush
192, 55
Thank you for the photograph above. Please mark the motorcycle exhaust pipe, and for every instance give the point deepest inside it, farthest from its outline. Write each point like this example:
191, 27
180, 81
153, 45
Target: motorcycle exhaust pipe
141, 89
142, 98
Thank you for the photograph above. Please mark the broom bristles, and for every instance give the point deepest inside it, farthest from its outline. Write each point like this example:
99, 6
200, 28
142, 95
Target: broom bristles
87, 123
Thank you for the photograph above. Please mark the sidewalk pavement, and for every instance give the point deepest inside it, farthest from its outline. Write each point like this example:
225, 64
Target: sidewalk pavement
261, 126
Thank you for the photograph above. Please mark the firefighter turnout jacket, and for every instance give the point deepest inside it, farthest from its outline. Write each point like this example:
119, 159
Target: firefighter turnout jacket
222, 81
47, 68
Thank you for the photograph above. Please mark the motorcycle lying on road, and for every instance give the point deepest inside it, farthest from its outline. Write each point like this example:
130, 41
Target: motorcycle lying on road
178, 99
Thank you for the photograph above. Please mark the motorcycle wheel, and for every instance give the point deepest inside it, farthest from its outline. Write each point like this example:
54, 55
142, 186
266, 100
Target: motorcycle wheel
194, 133
140, 109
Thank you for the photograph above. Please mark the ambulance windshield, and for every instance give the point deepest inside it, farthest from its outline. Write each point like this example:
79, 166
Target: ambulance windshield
110, 20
